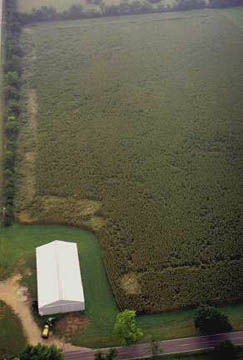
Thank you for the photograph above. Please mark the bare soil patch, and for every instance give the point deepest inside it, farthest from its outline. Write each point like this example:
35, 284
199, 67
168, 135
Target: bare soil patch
71, 325
130, 284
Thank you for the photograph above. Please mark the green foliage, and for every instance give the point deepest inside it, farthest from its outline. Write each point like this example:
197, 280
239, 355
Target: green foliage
12, 68
225, 350
209, 320
12, 78
126, 329
41, 352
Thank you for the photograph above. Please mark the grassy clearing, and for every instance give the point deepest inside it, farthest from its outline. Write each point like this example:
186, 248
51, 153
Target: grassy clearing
144, 121
18, 252
12, 340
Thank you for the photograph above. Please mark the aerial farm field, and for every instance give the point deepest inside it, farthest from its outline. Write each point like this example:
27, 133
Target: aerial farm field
133, 127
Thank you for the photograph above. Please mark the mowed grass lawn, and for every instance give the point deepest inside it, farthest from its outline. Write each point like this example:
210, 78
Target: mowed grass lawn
12, 340
18, 244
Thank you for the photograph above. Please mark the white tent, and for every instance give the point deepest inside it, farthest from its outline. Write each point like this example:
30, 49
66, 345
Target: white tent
59, 281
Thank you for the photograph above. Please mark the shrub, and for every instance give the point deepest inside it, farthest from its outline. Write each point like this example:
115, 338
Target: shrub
13, 79
209, 320
41, 352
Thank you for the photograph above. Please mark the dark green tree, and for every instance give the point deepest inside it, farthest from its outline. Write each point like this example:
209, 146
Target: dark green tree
41, 352
225, 350
209, 320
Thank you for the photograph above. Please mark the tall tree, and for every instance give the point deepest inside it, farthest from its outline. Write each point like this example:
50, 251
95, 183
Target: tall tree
126, 329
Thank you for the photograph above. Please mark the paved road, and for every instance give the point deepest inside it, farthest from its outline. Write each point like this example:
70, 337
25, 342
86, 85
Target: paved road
166, 347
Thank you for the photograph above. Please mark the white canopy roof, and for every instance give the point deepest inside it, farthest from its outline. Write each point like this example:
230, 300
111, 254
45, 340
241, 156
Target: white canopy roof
58, 277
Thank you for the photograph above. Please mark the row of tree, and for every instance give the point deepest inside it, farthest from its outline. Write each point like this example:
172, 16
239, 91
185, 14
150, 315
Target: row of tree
12, 71
208, 320
125, 7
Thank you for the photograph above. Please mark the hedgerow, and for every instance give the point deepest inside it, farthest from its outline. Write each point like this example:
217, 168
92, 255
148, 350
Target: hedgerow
49, 13
12, 70
143, 118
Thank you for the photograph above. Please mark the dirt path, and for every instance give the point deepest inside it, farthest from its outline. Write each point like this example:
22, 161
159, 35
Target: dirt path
16, 297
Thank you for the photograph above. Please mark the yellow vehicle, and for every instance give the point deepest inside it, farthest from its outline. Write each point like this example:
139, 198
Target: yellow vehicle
45, 331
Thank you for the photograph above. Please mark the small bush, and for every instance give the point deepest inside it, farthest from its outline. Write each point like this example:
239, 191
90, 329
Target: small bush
209, 320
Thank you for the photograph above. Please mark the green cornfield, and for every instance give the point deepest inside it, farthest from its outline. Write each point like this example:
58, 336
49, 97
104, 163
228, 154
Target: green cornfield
133, 127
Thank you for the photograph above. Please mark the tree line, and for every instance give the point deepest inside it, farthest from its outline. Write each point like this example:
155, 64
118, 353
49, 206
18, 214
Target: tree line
12, 83
46, 13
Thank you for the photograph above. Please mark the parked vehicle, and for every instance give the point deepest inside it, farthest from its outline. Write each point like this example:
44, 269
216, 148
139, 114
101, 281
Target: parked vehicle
45, 331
